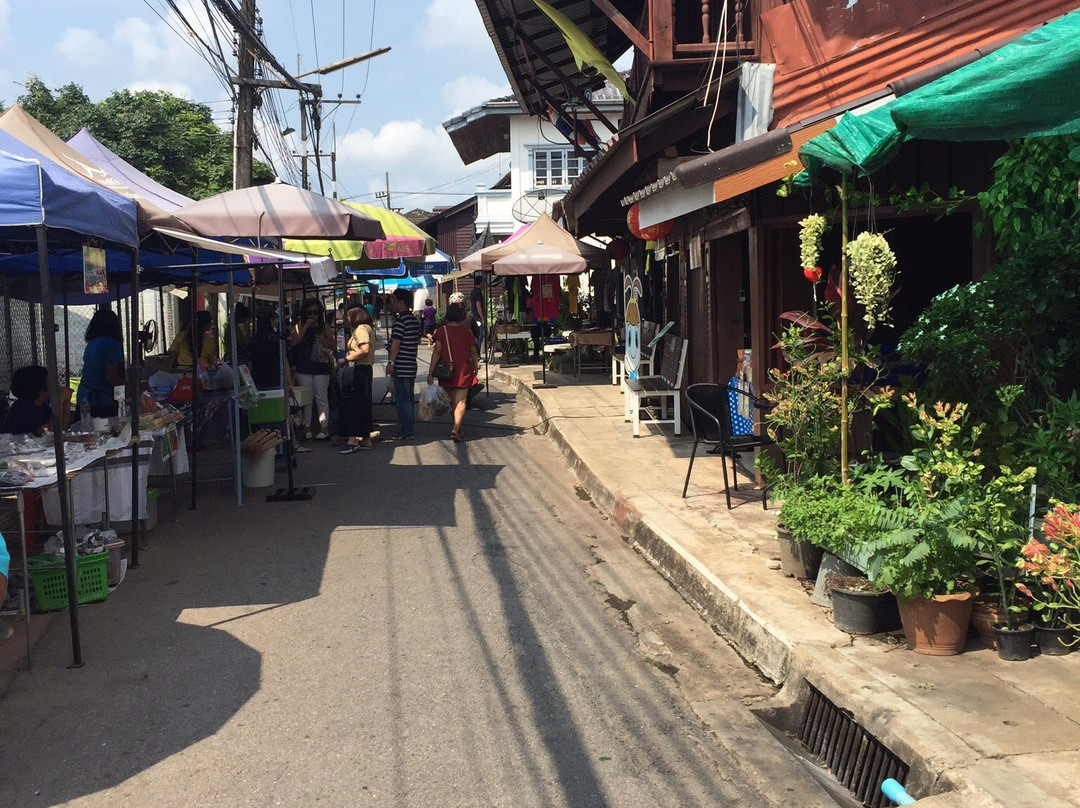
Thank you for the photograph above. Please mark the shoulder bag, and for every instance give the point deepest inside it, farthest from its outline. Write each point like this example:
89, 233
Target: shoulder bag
443, 370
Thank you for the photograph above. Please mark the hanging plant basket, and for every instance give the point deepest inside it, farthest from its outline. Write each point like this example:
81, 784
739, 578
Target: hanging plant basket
872, 269
811, 231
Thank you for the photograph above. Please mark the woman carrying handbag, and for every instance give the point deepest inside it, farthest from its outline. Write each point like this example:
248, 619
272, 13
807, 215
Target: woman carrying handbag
354, 379
455, 344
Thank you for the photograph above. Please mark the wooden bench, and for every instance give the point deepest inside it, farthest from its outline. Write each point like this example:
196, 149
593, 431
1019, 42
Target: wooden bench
647, 354
666, 387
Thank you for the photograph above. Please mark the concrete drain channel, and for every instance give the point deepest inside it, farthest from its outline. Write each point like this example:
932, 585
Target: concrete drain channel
845, 759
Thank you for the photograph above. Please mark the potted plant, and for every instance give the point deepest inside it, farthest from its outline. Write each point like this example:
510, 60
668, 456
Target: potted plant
1050, 563
860, 606
996, 518
806, 510
927, 553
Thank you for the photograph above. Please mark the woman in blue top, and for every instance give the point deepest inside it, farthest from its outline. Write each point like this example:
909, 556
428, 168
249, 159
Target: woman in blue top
103, 365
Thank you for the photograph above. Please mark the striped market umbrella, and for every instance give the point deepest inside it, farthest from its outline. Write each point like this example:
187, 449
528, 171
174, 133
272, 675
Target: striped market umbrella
402, 240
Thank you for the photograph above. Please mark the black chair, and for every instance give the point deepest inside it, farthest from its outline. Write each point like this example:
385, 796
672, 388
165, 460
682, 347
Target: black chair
710, 418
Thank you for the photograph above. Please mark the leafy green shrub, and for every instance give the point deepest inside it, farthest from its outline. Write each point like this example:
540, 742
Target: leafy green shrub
824, 512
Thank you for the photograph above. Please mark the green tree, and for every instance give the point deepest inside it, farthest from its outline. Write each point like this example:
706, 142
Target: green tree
173, 140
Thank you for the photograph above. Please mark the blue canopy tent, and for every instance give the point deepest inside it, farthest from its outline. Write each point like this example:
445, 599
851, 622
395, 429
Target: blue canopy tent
43, 207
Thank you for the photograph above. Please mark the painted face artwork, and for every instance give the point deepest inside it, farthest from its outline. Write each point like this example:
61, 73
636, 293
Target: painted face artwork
632, 337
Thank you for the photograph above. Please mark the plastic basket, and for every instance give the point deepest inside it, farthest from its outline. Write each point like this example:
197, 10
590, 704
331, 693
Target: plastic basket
269, 409
49, 578
116, 558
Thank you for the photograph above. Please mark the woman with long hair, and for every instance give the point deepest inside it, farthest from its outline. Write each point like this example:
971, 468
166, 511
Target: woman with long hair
355, 419
312, 341
455, 343
103, 365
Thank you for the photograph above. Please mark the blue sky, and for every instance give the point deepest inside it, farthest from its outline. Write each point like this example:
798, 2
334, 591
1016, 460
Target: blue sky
441, 63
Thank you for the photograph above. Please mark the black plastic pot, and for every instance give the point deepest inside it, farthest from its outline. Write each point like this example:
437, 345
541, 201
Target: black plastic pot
856, 612
1015, 644
797, 559
1054, 641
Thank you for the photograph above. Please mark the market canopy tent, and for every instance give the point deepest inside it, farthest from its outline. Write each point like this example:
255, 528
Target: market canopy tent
541, 248
20, 123
41, 203
401, 239
1026, 88
35, 191
167, 199
278, 211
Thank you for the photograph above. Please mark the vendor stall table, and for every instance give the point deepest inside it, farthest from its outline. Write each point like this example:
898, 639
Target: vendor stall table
513, 342
84, 466
584, 341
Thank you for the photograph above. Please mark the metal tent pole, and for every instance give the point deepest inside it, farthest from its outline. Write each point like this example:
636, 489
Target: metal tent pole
193, 309
134, 376
58, 445
237, 471
292, 493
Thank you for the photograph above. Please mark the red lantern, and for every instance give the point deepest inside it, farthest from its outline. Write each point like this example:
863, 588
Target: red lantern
651, 233
618, 249
812, 274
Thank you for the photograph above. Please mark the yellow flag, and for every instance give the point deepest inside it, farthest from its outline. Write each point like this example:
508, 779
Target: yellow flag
585, 52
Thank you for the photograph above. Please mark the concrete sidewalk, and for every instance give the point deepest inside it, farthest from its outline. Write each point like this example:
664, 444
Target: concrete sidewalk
976, 730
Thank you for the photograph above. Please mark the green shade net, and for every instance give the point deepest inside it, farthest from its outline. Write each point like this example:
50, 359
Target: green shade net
858, 144
1028, 88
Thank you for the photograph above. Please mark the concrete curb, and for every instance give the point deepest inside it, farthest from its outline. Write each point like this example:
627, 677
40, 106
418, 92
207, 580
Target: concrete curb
761, 643
940, 760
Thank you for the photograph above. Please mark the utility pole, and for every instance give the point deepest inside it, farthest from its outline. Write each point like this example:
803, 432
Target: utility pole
250, 47
245, 100
303, 147
385, 195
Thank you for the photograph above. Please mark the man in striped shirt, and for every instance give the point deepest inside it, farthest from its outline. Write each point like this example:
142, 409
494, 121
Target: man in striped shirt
404, 337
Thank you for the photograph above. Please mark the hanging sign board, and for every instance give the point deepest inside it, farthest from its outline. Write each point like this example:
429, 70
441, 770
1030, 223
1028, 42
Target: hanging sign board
95, 282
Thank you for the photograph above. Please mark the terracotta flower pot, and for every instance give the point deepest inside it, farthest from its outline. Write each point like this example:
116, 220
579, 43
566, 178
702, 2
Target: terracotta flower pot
987, 613
984, 616
936, 626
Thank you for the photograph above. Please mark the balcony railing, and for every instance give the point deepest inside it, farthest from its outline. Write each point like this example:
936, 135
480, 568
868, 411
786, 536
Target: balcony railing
701, 24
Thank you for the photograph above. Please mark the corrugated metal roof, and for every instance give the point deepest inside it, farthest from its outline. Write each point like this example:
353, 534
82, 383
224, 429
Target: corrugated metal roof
827, 54
533, 60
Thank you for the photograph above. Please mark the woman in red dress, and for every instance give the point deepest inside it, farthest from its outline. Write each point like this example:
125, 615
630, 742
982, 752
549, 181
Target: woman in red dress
455, 343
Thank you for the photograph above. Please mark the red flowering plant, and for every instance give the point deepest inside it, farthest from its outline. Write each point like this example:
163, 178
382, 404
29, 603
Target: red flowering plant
1052, 566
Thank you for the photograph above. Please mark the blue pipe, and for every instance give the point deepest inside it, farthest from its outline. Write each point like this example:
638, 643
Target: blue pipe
895, 792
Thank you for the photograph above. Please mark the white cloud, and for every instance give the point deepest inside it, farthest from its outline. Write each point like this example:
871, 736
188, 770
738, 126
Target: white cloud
135, 53
466, 92
454, 24
5, 22
364, 158
177, 88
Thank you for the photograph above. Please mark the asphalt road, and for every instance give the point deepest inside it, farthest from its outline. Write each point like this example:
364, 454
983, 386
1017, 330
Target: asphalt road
442, 625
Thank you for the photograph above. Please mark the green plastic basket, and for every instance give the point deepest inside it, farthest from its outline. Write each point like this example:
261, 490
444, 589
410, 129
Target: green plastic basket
49, 578
269, 409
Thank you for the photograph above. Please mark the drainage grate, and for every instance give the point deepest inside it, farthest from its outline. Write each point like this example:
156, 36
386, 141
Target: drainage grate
858, 760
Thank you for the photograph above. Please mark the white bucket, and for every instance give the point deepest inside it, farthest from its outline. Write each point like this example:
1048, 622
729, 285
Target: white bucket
258, 470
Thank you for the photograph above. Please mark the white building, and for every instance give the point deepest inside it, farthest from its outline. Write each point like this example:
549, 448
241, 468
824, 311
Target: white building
546, 156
